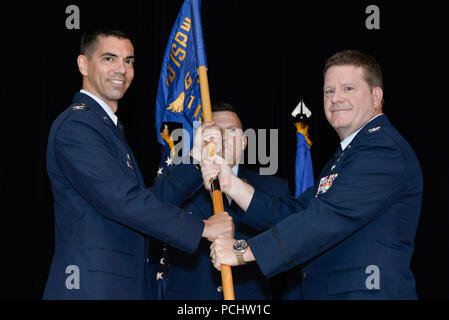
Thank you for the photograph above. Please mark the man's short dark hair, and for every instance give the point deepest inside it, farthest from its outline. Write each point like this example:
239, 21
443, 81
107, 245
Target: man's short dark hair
372, 71
89, 40
224, 106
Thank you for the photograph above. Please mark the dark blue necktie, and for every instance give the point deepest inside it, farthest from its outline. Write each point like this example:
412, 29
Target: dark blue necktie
337, 153
120, 125
335, 158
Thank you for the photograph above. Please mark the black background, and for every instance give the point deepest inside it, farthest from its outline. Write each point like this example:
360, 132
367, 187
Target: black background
263, 57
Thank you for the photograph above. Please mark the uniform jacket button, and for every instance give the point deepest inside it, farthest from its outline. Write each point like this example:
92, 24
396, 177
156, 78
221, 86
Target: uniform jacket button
304, 275
220, 289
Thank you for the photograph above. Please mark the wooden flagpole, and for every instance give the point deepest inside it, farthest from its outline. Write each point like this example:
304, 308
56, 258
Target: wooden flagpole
217, 197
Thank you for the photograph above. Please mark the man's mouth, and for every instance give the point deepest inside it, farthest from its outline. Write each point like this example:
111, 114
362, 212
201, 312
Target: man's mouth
118, 82
340, 110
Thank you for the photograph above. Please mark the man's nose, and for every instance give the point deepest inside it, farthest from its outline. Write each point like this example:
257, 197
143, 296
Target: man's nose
337, 96
121, 67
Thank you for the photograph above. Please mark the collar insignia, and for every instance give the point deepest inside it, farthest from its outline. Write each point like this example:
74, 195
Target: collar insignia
374, 129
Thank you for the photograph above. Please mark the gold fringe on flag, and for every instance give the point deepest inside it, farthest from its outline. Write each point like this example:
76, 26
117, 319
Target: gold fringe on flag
165, 134
304, 129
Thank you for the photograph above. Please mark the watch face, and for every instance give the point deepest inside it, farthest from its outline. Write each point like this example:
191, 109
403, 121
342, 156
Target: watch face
240, 245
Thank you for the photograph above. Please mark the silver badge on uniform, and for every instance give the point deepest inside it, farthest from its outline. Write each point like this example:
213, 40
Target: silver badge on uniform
374, 129
79, 107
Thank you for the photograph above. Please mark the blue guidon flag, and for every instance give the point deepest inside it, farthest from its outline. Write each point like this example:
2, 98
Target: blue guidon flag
178, 98
303, 164
178, 101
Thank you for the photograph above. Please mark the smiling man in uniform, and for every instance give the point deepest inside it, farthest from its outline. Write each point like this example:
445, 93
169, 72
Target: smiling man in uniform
353, 232
104, 215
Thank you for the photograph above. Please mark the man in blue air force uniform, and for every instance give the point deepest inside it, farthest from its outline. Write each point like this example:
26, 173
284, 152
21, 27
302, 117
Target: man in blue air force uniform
353, 232
104, 215
192, 276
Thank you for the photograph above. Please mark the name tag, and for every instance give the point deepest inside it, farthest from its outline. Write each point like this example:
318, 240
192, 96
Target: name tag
326, 183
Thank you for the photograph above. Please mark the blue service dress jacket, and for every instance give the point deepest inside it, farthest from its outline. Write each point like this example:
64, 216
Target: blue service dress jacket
353, 232
104, 215
193, 277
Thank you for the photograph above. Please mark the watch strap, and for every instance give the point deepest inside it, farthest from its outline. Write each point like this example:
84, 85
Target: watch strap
239, 255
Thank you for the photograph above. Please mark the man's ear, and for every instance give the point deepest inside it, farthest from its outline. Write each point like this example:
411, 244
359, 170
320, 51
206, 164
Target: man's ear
82, 64
244, 142
377, 97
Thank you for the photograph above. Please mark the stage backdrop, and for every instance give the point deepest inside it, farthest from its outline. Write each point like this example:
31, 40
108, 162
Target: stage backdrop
263, 57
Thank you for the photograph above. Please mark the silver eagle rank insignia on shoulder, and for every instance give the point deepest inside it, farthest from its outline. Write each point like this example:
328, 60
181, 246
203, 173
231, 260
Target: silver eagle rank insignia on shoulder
374, 129
79, 107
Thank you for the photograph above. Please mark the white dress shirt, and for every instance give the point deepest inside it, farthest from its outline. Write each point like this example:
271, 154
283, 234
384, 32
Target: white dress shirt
349, 138
103, 104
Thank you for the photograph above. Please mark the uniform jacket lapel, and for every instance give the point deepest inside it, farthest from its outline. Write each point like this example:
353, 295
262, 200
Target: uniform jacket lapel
97, 109
371, 127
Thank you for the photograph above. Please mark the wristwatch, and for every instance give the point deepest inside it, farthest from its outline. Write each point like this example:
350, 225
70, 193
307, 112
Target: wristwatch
239, 249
